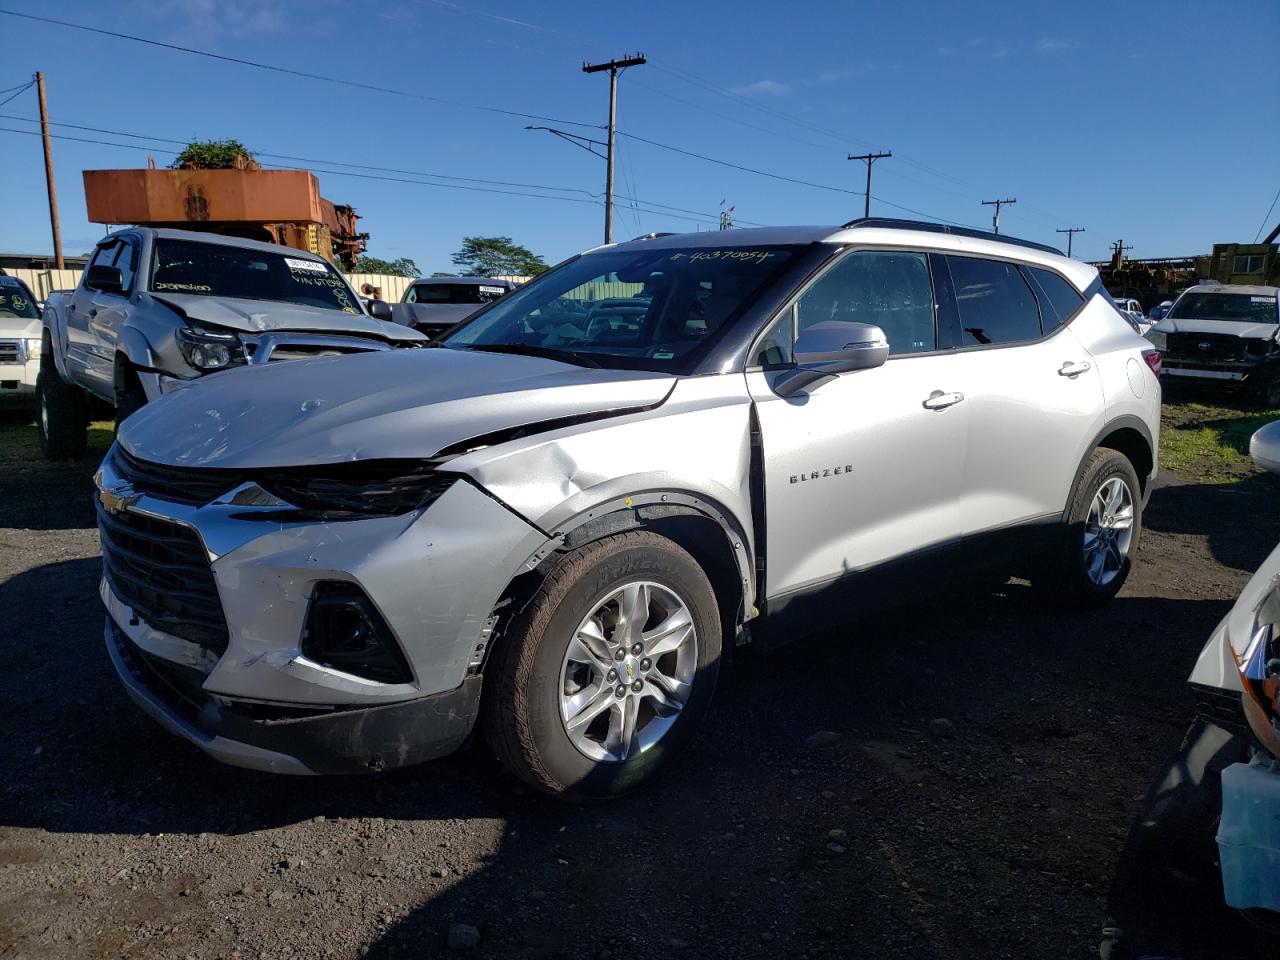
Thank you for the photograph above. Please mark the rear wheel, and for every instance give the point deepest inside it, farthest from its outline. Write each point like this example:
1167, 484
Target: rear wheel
63, 413
608, 671
1093, 553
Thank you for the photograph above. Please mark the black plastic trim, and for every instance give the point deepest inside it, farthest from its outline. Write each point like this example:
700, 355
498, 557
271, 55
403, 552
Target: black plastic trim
926, 226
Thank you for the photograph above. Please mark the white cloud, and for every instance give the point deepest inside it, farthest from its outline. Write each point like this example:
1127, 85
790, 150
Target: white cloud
1053, 45
763, 88
224, 16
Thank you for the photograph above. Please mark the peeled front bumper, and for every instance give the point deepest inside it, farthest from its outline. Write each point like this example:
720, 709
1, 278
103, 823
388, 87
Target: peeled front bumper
359, 740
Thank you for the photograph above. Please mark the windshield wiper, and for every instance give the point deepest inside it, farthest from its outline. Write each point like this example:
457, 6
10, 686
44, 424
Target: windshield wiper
531, 350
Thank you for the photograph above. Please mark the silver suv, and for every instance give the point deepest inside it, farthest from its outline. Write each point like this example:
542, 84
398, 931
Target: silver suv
560, 520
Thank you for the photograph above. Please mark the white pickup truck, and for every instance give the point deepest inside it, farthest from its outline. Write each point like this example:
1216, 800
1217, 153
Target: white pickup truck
158, 308
19, 342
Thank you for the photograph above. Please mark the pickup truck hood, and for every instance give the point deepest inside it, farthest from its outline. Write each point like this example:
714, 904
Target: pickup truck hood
382, 404
19, 328
1235, 328
259, 316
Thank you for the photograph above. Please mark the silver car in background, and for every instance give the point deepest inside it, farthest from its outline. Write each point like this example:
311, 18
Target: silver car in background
560, 520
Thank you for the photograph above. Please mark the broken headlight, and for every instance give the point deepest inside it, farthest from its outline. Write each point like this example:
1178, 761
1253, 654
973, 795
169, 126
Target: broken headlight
1260, 671
362, 488
208, 350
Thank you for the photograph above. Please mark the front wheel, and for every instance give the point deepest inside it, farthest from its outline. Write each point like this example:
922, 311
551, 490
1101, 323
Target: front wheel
63, 416
1093, 553
608, 671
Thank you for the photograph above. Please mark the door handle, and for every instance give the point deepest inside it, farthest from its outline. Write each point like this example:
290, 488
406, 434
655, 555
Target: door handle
1073, 370
93, 312
940, 401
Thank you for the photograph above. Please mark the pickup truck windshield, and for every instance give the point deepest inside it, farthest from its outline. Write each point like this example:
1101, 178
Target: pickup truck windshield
16, 300
639, 309
453, 293
218, 270
1250, 308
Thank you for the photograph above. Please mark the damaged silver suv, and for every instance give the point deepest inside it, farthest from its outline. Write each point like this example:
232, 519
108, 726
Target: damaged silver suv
560, 520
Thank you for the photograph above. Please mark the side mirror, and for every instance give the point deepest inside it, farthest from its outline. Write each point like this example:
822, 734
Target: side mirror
107, 279
1264, 447
379, 309
832, 347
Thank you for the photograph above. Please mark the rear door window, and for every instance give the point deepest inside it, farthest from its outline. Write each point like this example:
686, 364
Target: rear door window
994, 302
1058, 298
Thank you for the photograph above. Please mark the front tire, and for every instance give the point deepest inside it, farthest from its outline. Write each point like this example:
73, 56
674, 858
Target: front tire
1093, 553
130, 397
62, 416
608, 671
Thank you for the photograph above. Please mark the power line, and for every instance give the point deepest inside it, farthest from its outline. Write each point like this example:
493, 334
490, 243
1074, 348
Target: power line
1267, 218
995, 220
17, 91
1071, 235
289, 71
869, 158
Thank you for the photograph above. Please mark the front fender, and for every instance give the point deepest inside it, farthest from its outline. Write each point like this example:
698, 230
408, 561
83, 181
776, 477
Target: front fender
54, 318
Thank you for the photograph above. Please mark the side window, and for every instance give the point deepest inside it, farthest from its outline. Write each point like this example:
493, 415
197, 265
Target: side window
1058, 298
889, 289
412, 295
105, 254
775, 349
995, 303
127, 261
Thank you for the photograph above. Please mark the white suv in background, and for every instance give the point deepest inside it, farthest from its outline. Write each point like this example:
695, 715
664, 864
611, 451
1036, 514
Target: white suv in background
19, 342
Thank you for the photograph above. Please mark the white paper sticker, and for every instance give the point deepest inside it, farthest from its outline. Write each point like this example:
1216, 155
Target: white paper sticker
484, 289
1262, 299
314, 266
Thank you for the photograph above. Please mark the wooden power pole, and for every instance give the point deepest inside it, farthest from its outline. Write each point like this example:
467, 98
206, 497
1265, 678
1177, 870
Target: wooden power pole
613, 66
48, 175
870, 158
995, 220
1071, 234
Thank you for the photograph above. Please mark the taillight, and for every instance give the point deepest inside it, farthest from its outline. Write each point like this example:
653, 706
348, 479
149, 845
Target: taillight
1154, 360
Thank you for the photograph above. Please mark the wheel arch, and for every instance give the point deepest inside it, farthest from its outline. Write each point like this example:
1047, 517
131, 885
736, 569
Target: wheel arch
1129, 436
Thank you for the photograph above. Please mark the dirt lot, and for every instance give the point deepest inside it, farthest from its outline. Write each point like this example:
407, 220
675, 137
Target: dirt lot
992, 835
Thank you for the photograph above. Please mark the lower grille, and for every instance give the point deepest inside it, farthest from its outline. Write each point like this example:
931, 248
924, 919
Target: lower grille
1220, 707
160, 569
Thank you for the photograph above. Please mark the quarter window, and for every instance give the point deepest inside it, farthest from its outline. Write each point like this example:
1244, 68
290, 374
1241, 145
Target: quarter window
1058, 298
891, 290
995, 303
127, 261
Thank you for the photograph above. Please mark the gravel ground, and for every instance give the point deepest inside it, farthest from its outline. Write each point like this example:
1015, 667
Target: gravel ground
955, 780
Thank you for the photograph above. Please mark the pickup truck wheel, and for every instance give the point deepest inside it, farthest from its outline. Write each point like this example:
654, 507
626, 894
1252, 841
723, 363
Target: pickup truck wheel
1093, 553
1267, 391
608, 670
130, 397
63, 416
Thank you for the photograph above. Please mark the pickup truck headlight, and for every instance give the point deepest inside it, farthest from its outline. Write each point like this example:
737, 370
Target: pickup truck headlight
210, 350
1260, 671
33, 348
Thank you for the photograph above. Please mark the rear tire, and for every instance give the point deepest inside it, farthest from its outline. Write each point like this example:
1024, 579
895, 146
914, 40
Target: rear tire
62, 415
543, 676
1093, 552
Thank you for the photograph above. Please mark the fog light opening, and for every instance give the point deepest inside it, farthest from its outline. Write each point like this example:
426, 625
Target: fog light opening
346, 632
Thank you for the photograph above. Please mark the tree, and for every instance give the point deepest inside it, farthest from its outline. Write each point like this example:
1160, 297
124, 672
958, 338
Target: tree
496, 257
215, 155
402, 267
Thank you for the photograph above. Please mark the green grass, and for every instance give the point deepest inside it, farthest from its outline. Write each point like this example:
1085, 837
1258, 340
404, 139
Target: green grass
1211, 443
19, 441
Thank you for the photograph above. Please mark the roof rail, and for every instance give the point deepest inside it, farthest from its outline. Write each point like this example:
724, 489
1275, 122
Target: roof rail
929, 227
653, 236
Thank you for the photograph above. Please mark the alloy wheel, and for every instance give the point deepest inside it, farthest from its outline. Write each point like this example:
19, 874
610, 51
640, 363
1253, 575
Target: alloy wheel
1108, 531
628, 671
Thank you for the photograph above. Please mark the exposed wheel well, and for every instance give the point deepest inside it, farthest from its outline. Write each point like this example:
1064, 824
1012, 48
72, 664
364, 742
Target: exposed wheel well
125, 375
703, 538
1136, 449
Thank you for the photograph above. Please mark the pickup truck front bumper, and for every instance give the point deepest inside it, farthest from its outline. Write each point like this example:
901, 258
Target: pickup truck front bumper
18, 371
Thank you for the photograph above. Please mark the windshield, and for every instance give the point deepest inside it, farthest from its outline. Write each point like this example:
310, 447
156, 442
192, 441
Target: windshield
453, 293
645, 309
218, 270
16, 300
1250, 308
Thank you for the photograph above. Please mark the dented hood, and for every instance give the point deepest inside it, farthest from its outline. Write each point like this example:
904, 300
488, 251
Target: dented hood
260, 316
384, 404
1236, 328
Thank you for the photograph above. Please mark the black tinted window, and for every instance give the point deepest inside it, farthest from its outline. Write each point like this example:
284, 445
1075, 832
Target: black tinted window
127, 261
453, 293
890, 290
105, 254
995, 303
1058, 298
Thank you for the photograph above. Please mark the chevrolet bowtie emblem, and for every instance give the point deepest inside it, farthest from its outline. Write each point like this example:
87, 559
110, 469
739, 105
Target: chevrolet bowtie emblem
118, 499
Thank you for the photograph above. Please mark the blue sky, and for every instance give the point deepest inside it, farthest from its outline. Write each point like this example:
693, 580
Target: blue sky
1158, 123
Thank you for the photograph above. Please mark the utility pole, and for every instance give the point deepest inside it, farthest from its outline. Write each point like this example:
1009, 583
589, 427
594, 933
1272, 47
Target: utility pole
995, 220
48, 175
870, 158
1117, 253
1071, 233
613, 66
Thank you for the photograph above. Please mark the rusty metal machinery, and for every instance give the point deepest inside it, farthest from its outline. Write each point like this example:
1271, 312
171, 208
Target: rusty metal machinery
278, 206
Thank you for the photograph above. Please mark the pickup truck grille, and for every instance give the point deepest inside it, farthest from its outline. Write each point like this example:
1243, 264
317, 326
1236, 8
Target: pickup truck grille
190, 485
161, 570
1205, 346
11, 352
